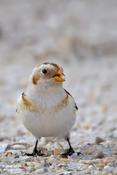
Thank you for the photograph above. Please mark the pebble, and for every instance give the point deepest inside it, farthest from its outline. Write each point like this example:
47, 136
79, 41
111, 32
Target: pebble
3, 148
114, 134
90, 167
99, 140
18, 147
100, 155
40, 171
67, 173
108, 169
15, 171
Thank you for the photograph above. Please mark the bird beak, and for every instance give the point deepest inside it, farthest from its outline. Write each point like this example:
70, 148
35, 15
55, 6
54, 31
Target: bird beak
59, 77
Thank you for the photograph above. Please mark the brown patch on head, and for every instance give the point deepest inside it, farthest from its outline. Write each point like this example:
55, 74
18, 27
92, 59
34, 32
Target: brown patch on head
53, 64
35, 79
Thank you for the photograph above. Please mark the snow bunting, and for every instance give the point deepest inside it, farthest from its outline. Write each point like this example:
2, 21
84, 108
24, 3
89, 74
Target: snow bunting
47, 109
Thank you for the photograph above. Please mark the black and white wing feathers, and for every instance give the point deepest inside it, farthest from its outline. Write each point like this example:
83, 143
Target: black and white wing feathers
75, 105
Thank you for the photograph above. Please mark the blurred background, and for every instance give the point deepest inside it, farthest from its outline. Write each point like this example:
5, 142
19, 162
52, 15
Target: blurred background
79, 35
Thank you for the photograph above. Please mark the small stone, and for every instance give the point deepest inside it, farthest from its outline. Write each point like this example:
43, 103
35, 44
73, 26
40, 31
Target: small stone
57, 151
3, 148
108, 160
100, 155
99, 140
8, 153
15, 171
100, 165
90, 167
40, 171
18, 147
66, 173
108, 169
114, 134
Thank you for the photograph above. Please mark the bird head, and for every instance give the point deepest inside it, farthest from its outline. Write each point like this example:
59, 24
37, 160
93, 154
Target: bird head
48, 72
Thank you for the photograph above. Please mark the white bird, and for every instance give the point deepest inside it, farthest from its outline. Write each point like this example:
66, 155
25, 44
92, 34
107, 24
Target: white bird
47, 109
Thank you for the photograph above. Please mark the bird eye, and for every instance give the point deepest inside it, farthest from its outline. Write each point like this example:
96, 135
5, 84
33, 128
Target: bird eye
44, 71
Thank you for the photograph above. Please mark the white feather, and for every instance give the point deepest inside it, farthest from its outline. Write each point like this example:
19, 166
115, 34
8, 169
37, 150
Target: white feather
46, 122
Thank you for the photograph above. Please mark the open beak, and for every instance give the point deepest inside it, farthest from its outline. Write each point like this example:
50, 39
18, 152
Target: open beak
60, 77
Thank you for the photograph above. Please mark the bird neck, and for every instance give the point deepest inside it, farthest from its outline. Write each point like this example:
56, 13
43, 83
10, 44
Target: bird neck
44, 88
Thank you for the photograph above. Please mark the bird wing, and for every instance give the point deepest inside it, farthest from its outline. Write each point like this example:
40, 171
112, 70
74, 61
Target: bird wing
24, 103
75, 105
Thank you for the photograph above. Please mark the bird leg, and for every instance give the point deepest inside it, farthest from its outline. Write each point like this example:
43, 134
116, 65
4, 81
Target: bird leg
35, 151
69, 151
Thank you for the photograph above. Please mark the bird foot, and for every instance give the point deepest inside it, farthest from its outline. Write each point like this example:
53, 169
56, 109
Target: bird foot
35, 153
68, 152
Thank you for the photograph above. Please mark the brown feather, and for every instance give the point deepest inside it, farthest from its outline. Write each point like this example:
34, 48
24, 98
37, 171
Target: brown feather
35, 79
26, 103
62, 103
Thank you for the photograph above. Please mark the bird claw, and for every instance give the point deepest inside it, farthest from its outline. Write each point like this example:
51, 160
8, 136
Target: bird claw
34, 153
68, 152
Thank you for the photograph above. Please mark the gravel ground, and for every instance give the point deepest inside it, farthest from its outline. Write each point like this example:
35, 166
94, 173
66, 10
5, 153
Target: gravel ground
82, 37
